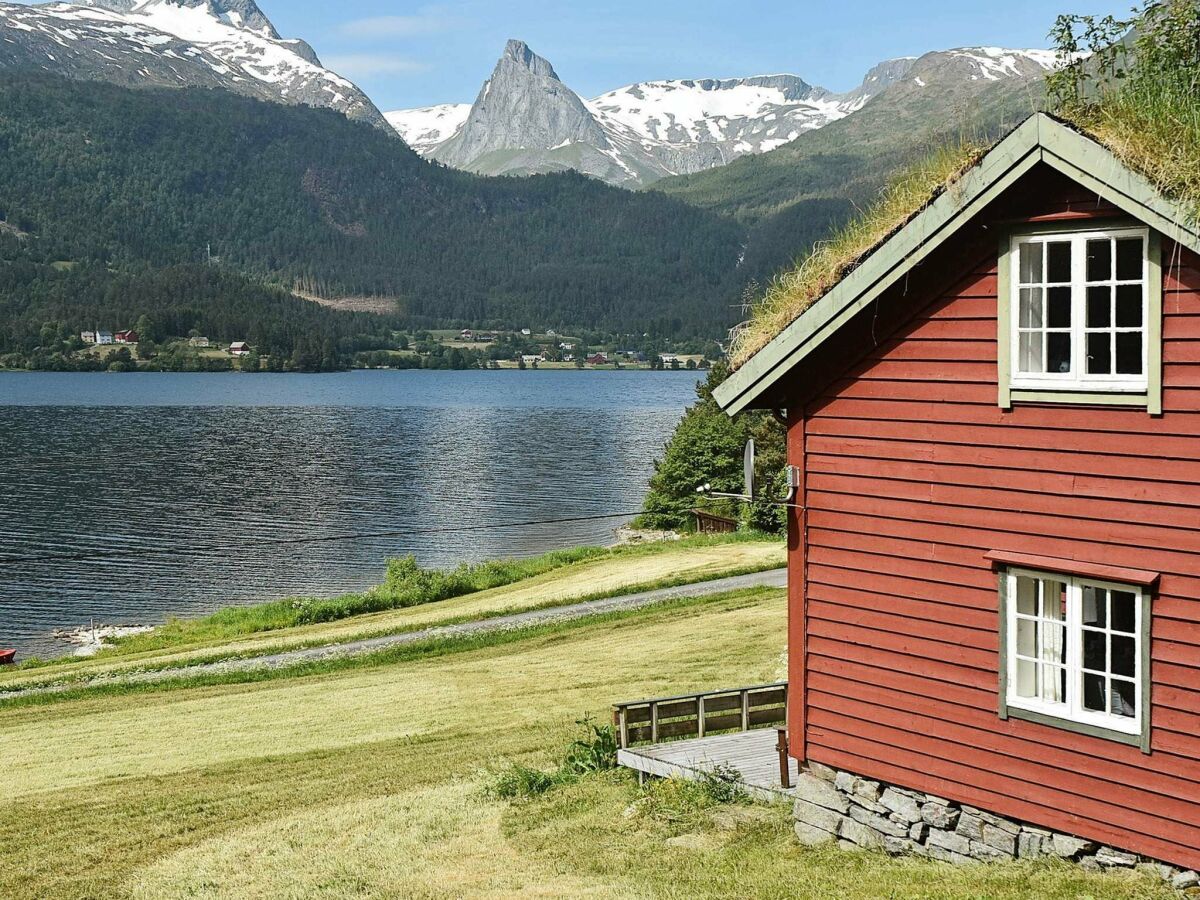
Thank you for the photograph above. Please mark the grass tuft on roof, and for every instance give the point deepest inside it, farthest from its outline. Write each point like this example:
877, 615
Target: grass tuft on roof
1134, 86
791, 293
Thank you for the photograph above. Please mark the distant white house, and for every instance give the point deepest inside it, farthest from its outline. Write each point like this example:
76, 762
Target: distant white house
88, 337
563, 345
199, 341
526, 332
239, 348
104, 337
531, 359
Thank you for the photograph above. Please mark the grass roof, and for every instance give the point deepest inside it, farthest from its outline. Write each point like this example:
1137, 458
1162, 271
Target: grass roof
1140, 98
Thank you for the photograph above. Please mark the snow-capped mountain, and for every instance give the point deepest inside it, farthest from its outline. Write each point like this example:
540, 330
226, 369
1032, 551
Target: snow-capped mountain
426, 127
526, 120
227, 44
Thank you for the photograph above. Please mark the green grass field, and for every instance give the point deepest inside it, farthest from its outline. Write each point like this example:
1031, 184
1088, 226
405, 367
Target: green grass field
373, 782
254, 630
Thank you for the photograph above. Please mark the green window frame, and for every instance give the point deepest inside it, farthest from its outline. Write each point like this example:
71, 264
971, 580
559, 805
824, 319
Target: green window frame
1011, 394
1065, 707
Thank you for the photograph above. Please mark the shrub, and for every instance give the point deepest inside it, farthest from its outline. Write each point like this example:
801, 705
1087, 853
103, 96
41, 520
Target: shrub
595, 751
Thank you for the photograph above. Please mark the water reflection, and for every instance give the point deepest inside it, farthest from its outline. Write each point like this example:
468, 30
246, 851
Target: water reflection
191, 466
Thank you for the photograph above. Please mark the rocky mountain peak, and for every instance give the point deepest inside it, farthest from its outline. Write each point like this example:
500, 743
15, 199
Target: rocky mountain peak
518, 53
522, 107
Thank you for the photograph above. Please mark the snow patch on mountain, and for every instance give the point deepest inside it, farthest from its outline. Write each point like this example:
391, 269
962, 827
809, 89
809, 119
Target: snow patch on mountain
178, 43
428, 126
997, 63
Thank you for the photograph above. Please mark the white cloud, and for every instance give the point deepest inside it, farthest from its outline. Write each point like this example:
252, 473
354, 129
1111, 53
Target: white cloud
429, 20
366, 65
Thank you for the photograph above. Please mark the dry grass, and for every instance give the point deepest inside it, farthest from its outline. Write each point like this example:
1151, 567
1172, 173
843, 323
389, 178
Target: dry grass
687, 561
793, 292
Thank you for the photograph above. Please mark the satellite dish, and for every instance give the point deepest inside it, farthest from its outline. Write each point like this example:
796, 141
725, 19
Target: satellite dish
748, 469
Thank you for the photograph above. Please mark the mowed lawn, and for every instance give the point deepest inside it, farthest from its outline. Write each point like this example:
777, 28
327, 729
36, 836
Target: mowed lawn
371, 782
639, 567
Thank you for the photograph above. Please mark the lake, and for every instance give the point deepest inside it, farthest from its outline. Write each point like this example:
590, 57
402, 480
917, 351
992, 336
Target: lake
133, 497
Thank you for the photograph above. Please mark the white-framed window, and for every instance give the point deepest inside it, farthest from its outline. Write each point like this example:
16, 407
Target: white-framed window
1080, 311
1075, 650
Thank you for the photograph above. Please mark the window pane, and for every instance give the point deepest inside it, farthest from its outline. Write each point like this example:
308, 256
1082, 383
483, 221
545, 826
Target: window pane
1129, 259
1031, 308
1129, 353
1054, 643
1123, 698
1095, 697
1094, 606
1099, 353
1027, 596
1129, 305
1099, 260
1027, 685
1124, 612
1058, 351
1058, 262
1099, 306
1054, 684
1030, 352
1058, 307
1054, 606
1027, 630
1095, 650
1031, 263
1124, 653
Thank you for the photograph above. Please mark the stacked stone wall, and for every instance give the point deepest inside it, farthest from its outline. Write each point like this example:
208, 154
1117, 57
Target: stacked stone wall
862, 814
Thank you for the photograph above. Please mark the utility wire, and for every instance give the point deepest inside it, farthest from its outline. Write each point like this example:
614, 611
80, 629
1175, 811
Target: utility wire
276, 542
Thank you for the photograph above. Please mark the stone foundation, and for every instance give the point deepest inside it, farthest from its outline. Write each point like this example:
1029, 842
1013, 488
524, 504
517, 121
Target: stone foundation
861, 814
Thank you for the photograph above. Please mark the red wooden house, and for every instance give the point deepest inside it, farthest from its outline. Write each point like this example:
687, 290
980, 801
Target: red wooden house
994, 551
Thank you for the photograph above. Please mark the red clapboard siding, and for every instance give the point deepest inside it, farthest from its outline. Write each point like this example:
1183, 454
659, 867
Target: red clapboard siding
912, 473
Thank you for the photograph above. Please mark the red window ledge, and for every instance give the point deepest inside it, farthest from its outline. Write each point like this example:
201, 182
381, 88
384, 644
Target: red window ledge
1139, 577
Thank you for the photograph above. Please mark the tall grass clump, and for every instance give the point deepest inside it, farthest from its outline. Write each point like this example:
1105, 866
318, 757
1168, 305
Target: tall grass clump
595, 751
1135, 87
408, 584
791, 293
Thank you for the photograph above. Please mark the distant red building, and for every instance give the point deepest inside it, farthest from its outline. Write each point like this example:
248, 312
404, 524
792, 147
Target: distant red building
126, 337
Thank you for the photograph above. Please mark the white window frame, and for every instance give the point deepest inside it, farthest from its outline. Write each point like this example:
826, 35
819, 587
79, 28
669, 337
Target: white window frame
1071, 710
1077, 379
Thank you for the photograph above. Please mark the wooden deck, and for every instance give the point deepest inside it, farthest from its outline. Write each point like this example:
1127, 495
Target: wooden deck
752, 753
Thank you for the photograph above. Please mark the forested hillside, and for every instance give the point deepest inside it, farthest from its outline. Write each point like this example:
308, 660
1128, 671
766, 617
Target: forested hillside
801, 192
110, 199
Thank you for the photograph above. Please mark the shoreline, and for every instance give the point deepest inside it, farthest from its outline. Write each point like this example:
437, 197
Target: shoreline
91, 639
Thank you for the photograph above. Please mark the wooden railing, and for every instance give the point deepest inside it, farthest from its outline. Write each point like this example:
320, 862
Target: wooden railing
697, 715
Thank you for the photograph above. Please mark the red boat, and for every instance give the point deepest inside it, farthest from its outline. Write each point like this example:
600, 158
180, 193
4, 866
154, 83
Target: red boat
7, 657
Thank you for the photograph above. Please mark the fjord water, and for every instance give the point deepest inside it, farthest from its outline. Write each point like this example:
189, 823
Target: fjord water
182, 493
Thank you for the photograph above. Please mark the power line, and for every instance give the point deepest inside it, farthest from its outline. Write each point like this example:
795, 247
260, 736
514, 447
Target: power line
278, 542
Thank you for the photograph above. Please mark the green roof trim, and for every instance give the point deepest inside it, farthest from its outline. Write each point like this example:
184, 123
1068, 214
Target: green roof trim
1039, 139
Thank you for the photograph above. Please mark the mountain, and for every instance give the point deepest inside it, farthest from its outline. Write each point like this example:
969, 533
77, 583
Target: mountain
104, 189
227, 44
905, 105
526, 120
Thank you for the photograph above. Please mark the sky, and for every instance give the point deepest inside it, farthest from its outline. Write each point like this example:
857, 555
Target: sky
420, 54
414, 54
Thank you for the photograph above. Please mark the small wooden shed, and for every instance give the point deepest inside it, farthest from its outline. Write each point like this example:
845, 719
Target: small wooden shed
994, 552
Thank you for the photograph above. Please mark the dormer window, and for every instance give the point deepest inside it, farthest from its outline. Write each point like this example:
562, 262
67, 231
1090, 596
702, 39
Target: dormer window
1080, 317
